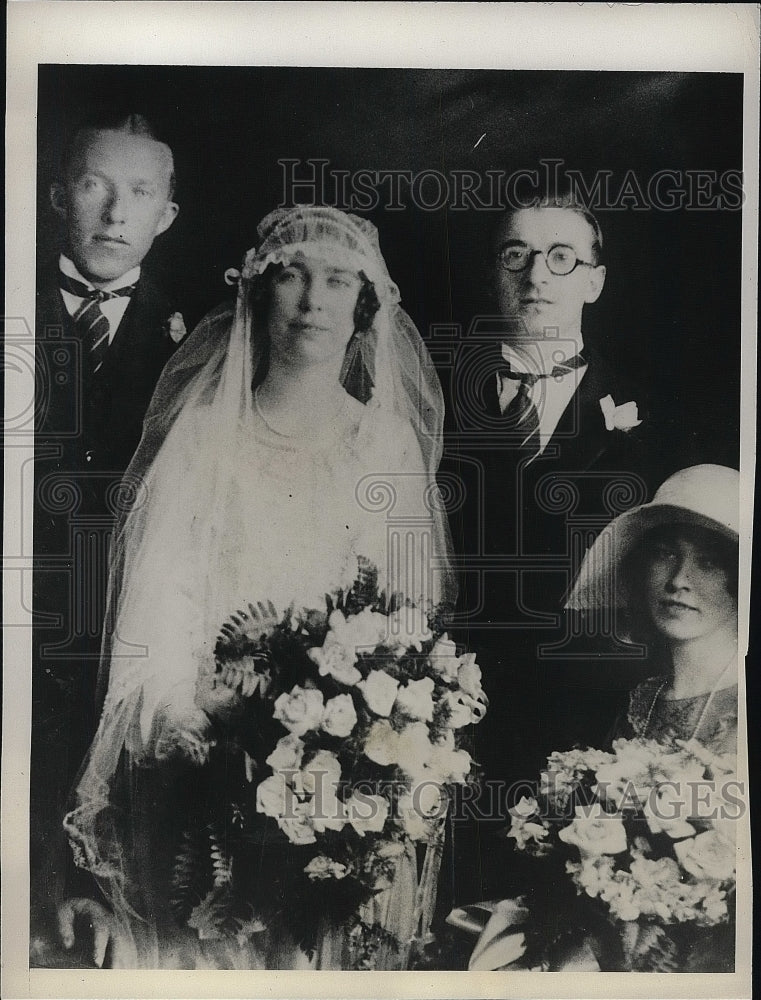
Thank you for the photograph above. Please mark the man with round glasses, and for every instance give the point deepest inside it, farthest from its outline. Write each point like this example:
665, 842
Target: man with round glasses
547, 445
546, 269
550, 419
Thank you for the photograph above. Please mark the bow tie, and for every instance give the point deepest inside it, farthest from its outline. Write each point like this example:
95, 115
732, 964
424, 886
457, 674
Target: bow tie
531, 378
82, 291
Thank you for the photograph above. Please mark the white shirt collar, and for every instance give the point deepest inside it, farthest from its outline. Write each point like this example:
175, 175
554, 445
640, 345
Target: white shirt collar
69, 268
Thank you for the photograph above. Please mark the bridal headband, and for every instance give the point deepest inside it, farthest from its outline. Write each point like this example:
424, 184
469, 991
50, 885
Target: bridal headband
344, 240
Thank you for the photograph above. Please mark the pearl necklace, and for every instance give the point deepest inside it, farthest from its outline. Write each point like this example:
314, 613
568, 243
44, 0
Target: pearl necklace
704, 710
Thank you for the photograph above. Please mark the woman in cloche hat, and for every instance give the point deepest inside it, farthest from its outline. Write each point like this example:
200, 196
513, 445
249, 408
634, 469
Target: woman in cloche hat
670, 569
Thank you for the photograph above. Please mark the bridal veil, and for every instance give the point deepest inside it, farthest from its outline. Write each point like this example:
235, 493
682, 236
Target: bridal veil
187, 504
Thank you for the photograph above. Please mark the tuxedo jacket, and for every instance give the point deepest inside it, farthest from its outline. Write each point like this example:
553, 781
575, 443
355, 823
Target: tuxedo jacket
522, 524
525, 519
87, 428
92, 423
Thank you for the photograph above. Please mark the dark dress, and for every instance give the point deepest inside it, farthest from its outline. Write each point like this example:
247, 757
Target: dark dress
711, 719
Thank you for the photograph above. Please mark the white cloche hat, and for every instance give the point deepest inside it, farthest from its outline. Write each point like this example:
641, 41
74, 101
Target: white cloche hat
704, 495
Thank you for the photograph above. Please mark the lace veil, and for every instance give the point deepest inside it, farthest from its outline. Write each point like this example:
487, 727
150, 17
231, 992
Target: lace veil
183, 473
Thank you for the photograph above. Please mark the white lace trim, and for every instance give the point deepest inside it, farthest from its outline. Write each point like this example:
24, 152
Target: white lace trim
336, 256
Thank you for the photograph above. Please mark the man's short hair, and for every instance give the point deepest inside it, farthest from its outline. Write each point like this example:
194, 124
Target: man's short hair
133, 123
569, 200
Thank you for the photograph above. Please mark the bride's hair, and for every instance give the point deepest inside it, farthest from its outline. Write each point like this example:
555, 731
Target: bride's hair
356, 378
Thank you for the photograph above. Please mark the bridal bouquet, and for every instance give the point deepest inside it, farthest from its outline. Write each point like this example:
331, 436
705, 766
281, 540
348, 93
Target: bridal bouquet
348, 722
646, 834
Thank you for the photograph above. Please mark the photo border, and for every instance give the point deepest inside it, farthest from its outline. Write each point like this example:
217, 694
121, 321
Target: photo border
706, 38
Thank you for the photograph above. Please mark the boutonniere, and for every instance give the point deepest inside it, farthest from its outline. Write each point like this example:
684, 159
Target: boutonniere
619, 418
175, 327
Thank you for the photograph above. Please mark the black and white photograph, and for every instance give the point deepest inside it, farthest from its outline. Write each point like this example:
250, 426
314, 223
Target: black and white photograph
377, 561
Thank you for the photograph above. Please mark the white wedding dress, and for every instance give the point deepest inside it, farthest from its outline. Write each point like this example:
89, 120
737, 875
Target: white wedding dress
296, 515
225, 512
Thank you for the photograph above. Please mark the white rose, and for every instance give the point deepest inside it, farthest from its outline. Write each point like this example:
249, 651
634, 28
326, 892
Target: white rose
469, 676
525, 807
321, 868
414, 749
665, 811
620, 783
450, 765
382, 743
412, 819
624, 904
673, 767
327, 812
725, 829
299, 711
379, 691
602, 835
709, 855
363, 631
297, 829
339, 717
444, 659
273, 796
429, 798
323, 772
325, 762
416, 699
461, 709
367, 813
337, 660
287, 754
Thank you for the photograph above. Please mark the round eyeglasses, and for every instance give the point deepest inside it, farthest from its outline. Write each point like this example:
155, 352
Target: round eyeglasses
559, 259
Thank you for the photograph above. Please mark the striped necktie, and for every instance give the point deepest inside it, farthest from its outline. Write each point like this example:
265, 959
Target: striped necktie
91, 325
521, 415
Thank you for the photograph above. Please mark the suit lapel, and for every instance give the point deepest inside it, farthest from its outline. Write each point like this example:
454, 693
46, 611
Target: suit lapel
139, 333
581, 438
117, 397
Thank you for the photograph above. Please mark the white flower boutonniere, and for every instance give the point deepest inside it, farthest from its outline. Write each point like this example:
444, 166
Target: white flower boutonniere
175, 327
619, 418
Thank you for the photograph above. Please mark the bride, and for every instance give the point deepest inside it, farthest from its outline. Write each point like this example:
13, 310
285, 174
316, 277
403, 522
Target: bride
289, 436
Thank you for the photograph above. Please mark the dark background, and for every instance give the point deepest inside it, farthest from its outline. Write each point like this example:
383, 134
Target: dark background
670, 311
669, 316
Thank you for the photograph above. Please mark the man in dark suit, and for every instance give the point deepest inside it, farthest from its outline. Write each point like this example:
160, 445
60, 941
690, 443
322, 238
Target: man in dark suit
547, 449
104, 332
548, 430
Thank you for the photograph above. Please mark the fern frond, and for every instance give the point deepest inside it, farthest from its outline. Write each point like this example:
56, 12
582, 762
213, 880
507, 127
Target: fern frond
191, 876
221, 862
245, 633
